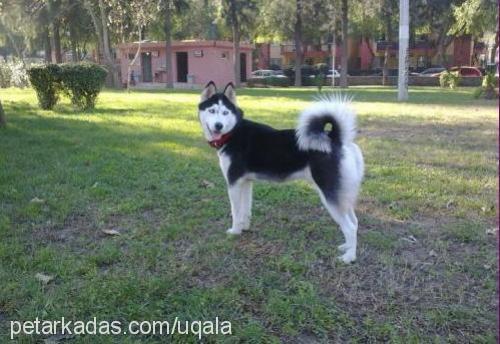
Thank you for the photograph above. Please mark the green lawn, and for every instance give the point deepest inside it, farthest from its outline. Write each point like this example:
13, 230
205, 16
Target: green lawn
426, 268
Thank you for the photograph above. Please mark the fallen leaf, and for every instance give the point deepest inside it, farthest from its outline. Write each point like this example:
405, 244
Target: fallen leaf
411, 239
433, 253
96, 184
207, 184
450, 204
45, 279
487, 266
111, 232
37, 200
492, 231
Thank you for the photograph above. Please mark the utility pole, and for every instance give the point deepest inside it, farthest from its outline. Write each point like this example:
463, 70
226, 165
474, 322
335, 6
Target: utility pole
404, 36
334, 47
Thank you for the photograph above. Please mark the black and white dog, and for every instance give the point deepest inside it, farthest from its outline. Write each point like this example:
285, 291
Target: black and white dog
320, 150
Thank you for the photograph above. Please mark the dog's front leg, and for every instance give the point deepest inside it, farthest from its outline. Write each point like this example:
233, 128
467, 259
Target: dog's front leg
235, 192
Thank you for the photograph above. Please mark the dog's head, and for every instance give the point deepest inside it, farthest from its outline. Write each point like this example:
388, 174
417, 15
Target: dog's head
218, 112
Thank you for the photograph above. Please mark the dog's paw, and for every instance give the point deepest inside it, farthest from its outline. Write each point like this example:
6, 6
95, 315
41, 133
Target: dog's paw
233, 231
344, 247
348, 257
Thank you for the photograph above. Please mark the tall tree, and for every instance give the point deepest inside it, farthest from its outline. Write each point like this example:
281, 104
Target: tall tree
345, 53
297, 35
3, 122
99, 19
238, 14
475, 18
169, 9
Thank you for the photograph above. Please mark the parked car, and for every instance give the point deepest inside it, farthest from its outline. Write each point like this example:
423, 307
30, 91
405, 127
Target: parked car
267, 73
435, 71
331, 73
391, 72
466, 71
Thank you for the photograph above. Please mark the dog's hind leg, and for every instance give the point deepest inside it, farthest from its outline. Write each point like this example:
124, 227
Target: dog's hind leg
246, 204
349, 227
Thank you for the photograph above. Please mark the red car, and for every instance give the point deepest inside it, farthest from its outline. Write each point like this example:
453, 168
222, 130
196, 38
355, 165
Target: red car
466, 71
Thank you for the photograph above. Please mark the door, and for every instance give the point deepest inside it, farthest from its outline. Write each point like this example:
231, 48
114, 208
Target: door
243, 67
182, 66
147, 73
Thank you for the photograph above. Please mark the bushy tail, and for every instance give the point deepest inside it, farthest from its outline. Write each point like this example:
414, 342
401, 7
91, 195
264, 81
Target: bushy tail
333, 109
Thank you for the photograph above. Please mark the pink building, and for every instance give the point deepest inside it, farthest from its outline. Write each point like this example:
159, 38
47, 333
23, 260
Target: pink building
194, 63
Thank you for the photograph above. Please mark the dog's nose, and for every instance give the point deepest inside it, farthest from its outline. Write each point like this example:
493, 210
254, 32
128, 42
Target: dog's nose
218, 126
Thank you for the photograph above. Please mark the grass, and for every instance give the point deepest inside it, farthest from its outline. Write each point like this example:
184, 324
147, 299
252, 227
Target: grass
426, 269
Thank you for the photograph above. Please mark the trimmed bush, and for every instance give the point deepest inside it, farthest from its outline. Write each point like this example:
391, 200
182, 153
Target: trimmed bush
449, 79
45, 81
80, 82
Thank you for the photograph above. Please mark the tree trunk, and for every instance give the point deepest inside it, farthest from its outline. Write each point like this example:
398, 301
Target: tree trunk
388, 40
343, 71
131, 63
56, 42
236, 49
107, 49
493, 52
334, 51
167, 27
73, 40
47, 46
3, 122
97, 28
298, 44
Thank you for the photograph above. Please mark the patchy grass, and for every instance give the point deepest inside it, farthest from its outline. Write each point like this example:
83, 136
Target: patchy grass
426, 269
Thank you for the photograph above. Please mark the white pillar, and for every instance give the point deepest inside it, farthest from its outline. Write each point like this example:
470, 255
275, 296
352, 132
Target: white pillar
404, 37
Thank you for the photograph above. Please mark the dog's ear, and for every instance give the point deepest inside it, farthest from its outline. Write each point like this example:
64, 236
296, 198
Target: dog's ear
230, 93
208, 91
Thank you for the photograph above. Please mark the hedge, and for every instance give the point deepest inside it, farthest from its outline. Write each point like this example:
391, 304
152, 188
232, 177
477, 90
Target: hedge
81, 82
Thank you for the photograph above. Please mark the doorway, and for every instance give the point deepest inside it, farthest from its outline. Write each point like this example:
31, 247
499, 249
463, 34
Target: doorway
243, 67
147, 73
182, 66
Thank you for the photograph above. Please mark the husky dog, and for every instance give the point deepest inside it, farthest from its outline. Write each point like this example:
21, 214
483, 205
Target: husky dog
320, 150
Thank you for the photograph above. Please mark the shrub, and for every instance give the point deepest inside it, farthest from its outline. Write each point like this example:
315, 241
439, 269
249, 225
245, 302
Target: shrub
268, 82
274, 81
82, 83
13, 74
449, 79
487, 89
19, 75
45, 81
5, 75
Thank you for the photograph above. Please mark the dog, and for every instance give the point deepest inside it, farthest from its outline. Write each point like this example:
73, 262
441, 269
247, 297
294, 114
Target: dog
320, 150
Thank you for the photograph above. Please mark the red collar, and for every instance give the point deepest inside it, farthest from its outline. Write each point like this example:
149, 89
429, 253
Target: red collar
220, 142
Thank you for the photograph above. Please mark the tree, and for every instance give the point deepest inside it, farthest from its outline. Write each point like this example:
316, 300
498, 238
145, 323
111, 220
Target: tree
475, 18
238, 14
99, 20
345, 54
297, 34
169, 8
3, 122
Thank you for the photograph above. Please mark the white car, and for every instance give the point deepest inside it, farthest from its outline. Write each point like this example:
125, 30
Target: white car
267, 73
331, 73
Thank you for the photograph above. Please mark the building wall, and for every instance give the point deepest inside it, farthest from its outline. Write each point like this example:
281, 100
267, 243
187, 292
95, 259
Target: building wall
211, 66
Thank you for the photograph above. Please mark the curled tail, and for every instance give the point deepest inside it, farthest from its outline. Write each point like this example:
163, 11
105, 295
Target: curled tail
335, 110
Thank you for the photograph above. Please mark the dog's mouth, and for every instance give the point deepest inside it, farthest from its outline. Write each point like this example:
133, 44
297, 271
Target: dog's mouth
215, 134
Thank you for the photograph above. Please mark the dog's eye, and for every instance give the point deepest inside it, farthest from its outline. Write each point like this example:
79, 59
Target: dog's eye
211, 111
225, 113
